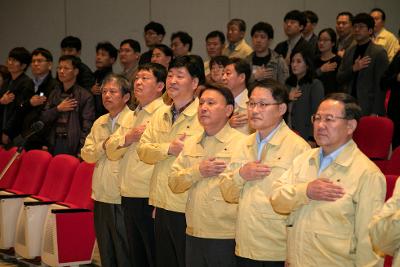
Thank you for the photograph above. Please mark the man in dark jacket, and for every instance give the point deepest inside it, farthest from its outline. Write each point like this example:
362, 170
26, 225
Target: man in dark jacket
69, 111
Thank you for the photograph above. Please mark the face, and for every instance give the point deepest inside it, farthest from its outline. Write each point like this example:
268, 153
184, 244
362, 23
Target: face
343, 26
40, 66
264, 119
309, 28
325, 43
70, 51
146, 87
379, 23
298, 65
180, 84
330, 135
232, 79
159, 57
152, 38
112, 97
127, 56
66, 71
214, 47
213, 111
179, 48
14, 66
361, 32
234, 34
103, 59
217, 73
260, 41
292, 27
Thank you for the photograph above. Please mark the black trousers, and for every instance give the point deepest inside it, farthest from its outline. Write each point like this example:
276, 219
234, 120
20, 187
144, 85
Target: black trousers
111, 235
207, 252
140, 230
170, 238
244, 262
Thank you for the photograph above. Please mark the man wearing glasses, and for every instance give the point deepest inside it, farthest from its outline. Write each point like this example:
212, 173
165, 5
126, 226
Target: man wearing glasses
331, 193
258, 161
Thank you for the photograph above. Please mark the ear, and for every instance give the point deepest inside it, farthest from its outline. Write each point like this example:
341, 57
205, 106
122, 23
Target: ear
126, 98
351, 126
113, 60
160, 86
228, 110
23, 66
50, 66
282, 108
195, 83
76, 71
242, 77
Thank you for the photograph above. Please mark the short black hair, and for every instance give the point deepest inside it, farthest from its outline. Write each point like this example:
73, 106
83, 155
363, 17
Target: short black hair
263, 27
220, 60
190, 63
225, 92
241, 66
158, 70
132, 43
311, 16
352, 110
184, 37
218, 34
332, 34
122, 81
74, 60
241, 24
22, 55
346, 13
44, 52
107, 46
365, 19
71, 42
278, 90
155, 26
165, 49
296, 15
377, 9
200, 63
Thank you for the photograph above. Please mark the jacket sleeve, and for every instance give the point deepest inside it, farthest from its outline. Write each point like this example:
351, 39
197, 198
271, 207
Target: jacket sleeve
381, 65
50, 112
93, 147
114, 145
183, 175
369, 201
87, 117
384, 228
283, 70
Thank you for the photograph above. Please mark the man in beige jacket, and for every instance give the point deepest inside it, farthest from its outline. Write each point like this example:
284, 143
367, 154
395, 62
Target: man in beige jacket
257, 161
331, 193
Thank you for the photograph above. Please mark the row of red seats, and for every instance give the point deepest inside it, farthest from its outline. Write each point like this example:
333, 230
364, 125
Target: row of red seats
46, 209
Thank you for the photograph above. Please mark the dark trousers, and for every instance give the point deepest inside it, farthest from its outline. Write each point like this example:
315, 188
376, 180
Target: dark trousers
111, 235
170, 230
244, 262
140, 230
207, 252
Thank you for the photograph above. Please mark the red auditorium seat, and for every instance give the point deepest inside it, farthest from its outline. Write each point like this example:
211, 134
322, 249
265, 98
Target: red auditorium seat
9, 177
69, 236
28, 181
373, 136
393, 165
32, 215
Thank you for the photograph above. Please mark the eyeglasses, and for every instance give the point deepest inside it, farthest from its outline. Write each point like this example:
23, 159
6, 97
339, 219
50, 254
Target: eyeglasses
316, 118
260, 105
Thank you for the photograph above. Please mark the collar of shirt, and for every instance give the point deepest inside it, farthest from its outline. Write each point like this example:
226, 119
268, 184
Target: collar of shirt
114, 121
325, 161
241, 99
263, 142
175, 112
292, 42
37, 81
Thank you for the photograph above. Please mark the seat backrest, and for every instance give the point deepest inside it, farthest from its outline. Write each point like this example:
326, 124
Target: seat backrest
373, 136
393, 165
9, 177
59, 177
32, 171
81, 187
390, 184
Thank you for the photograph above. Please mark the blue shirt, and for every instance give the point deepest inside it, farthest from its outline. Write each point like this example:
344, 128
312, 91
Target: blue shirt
325, 161
262, 143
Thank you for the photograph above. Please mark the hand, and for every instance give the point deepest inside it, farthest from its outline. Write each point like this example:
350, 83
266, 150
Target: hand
211, 167
254, 171
67, 104
134, 135
295, 93
361, 63
340, 53
263, 73
7, 98
37, 100
323, 189
96, 89
5, 139
327, 67
176, 145
238, 120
